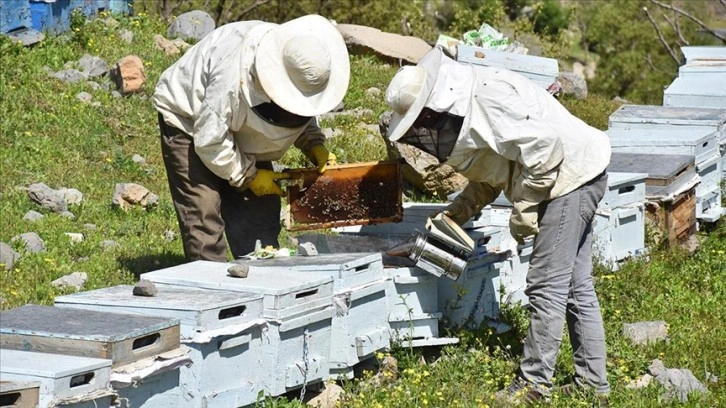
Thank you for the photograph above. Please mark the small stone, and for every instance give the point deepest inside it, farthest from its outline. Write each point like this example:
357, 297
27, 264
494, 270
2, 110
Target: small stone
169, 235
33, 243
74, 280
145, 287
116, 94
68, 214
138, 159
90, 227
74, 236
328, 398
307, 249
70, 76
93, 66
126, 35
8, 256
646, 332
128, 74
32, 216
71, 195
239, 270
373, 92
639, 383
109, 244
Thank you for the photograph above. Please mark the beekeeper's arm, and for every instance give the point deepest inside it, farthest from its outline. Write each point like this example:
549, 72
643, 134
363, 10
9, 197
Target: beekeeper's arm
213, 141
523, 134
470, 201
311, 143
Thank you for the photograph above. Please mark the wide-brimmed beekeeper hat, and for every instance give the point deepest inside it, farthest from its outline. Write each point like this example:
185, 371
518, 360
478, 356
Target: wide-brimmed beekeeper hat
303, 65
409, 90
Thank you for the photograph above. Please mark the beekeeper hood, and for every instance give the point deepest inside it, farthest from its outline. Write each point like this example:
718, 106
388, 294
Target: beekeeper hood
437, 82
302, 65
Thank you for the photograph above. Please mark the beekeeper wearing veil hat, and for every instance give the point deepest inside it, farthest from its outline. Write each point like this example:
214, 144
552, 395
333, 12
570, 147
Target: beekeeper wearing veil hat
232, 104
506, 134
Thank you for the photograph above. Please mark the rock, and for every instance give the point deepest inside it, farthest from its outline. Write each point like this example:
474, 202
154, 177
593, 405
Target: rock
239, 270
138, 159
47, 198
93, 66
389, 365
74, 236
328, 398
32, 216
165, 45
371, 129
70, 76
145, 287
357, 113
307, 249
639, 383
84, 96
373, 92
330, 133
8, 256
74, 280
71, 195
678, 382
126, 35
573, 84
116, 94
109, 244
169, 235
127, 195
32, 241
181, 44
646, 332
128, 74
68, 214
110, 22
194, 25
90, 227
389, 45
95, 86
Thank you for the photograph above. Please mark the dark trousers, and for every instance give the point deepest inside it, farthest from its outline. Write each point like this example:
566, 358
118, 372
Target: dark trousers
207, 207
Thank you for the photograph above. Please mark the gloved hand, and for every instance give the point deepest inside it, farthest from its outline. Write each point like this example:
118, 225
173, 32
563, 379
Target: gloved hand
523, 221
322, 157
470, 201
264, 182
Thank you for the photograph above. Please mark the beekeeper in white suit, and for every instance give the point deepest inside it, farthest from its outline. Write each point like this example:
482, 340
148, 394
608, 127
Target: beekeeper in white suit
506, 134
232, 104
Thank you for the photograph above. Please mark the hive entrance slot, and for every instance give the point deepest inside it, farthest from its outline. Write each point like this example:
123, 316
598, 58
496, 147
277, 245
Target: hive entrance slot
10, 399
626, 189
145, 341
231, 312
305, 294
81, 379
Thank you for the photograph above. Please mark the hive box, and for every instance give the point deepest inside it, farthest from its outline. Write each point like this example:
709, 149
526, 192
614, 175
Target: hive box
67, 381
359, 325
543, 71
223, 331
298, 308
696, 91
19, 394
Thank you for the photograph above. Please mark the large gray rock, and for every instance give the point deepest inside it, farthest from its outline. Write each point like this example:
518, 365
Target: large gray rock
573, 84
678, 382
71, 195
194, 25
646, 332
32, 241
32, 216
70, 76
8, 256
47, 198
389, 45
74, 280
93, 66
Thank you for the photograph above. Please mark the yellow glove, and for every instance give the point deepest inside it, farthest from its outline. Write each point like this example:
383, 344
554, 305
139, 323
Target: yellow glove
523, 221
264, 182
322, 157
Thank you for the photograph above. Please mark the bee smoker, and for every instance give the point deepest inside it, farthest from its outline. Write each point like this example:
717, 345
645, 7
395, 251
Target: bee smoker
432, 255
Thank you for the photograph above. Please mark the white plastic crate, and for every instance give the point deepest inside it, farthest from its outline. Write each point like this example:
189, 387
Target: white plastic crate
618, 234
223, 331
624, 189
73, 380
298, 307
541, 70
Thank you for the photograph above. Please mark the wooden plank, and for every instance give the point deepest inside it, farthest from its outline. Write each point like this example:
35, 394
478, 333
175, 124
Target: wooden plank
676, 219
19, 394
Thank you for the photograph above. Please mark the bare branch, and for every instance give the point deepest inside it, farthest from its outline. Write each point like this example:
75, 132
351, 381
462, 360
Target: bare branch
676, 28
692, 18
246, 11
660, 37
723, 3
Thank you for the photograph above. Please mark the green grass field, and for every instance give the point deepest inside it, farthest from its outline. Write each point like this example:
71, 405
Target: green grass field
47, 135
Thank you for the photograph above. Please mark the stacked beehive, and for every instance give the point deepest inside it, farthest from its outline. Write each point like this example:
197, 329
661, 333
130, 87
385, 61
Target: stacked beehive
700, 81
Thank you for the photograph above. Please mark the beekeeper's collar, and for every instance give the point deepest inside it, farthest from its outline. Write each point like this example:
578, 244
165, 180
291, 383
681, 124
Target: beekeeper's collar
452, 90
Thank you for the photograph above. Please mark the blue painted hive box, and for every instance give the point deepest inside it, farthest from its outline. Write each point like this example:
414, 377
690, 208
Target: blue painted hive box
222, 329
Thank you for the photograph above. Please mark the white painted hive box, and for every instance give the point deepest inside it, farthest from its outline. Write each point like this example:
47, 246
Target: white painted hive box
222, 329
62, 378
696, 91
541, 70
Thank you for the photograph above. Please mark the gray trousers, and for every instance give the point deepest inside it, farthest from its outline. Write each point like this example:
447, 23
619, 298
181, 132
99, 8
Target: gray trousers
208, 208
560, 287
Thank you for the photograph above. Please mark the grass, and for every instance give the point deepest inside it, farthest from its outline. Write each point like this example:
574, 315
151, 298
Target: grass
47, 135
